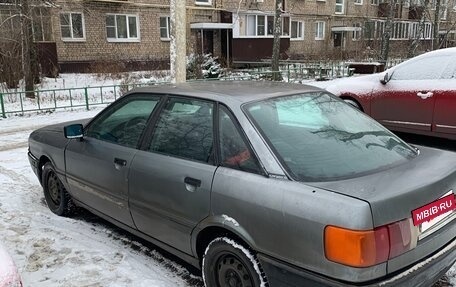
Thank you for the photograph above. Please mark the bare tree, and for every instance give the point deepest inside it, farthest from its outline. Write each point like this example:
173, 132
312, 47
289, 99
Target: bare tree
436, 28
416, 40
385, 44
276, 76
29, 58
21, 38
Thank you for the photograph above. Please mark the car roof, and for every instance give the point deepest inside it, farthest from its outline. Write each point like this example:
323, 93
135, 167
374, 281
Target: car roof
229, 91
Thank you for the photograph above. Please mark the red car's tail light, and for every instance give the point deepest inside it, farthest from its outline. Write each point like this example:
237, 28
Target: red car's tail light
364, 248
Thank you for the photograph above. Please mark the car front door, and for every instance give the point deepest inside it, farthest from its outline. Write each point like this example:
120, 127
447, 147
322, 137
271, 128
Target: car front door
97, 166
406, 102
171, 176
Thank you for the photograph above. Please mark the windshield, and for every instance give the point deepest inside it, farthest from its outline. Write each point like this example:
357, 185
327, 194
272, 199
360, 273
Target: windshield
318, 137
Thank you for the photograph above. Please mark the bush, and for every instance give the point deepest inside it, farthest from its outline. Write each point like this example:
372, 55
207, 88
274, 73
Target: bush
203, 67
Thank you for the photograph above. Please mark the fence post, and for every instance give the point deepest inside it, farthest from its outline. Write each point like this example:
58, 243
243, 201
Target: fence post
3, 106
86, 94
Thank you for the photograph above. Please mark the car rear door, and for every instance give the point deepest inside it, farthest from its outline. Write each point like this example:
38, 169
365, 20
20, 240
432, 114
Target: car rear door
171, 177
97, 166
406, 102
444, 120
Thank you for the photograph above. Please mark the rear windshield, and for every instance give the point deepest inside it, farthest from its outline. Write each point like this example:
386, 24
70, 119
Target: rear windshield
318, 137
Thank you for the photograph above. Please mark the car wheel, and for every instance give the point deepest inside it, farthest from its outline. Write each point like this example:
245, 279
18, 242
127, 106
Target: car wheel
227, 263
353, 103
57, 198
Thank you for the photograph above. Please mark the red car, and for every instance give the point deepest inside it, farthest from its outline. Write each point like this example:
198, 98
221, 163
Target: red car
9, 276
417, 96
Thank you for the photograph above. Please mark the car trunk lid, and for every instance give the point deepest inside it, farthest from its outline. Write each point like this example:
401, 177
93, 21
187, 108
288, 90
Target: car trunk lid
394, 193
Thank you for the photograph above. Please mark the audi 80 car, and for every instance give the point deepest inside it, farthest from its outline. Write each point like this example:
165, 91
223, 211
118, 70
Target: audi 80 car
417, 96
258, 184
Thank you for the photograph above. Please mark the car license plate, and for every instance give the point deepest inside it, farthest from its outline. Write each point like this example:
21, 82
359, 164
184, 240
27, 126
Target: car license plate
430, 215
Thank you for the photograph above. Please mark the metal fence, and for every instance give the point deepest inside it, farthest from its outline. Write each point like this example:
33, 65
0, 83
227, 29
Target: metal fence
45, 100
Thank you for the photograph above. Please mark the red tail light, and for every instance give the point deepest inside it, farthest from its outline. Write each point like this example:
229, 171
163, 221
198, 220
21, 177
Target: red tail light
364, 248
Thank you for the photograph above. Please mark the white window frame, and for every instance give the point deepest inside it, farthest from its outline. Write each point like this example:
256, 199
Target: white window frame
246, 25
443, 10
128, 39
341, 5
356, 35
427, 32
72, 39
375, 2
202, 2
168, 27
299, 26
358, 2
320, 25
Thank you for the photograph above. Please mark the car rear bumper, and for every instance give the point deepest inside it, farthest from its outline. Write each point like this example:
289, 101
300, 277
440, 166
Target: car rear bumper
423, 273
33, 162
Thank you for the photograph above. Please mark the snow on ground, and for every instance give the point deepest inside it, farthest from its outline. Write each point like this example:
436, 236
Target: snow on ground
54, 93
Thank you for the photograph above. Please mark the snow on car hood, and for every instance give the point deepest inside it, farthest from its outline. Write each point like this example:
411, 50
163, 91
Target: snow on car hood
359, 85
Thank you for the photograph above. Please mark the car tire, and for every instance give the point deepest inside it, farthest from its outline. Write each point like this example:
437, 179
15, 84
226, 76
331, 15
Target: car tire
352, 103
227, 263
57, 198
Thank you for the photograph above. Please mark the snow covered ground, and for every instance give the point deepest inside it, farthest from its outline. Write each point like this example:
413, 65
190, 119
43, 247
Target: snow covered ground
55, 251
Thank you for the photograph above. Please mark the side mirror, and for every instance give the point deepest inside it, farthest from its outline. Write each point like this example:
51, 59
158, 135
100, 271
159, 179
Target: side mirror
385, 79
73, 131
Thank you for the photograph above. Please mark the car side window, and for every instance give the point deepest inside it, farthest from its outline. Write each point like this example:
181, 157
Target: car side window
123, 124
234, 151
185, 129
430, 68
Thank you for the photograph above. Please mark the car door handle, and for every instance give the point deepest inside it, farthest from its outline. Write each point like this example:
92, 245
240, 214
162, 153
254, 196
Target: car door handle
424, 95
192, 181
120, 162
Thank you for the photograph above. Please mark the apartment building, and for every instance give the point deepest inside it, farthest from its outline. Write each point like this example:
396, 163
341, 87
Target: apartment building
84, 35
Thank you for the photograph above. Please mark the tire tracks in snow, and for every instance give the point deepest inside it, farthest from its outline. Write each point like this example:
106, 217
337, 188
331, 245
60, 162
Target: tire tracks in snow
15, 177
12, 146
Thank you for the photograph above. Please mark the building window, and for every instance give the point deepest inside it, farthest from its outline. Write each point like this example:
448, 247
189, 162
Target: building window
339, 6
297, 30
443, 9
427, 33
358, 2
356, 31
400, 31
164, 28
122, 28
203, 2
417, 32
261, 26
319, 30
374, 2
72, 26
